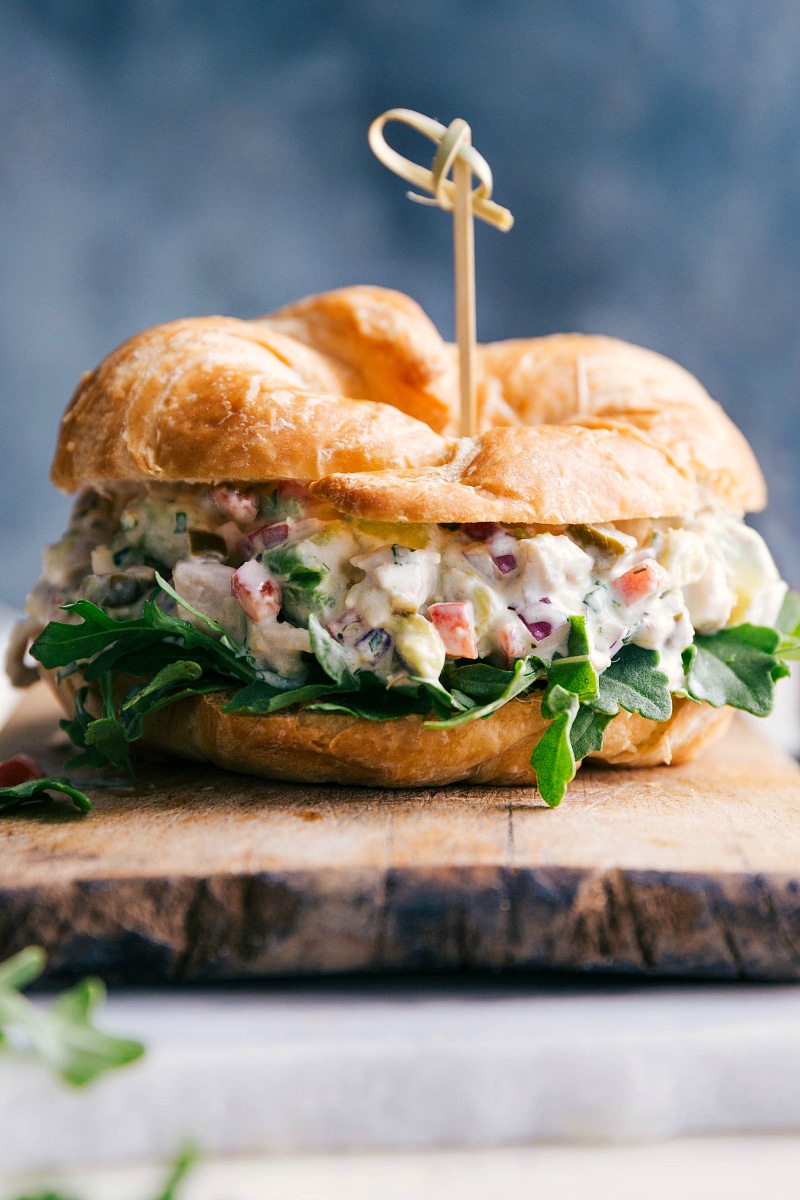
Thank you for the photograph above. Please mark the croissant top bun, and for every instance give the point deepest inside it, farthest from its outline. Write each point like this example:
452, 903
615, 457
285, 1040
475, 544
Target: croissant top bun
213, 398
355, 389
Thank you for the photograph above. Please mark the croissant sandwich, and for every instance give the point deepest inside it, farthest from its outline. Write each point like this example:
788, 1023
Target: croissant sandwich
283, 560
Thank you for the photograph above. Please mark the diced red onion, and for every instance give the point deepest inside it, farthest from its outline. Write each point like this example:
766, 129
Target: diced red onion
480, 561
539, 626
374, 645
347, 629
505, 563
480, 531
267, 536
539, 630
294, 490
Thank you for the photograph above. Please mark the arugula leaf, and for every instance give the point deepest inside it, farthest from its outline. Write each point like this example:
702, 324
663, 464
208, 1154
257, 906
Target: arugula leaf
736, 666
553, 758
144, 699
107, 736
224, 638
788, 625
167, 677
578, 643
63, 1035
307, 585
526, 672
130, 647
442, 701
480, 681
59, 645
586, 732
21, 793
788, 622
574, 673
387, 705
75, 730
180, 1168
330, 655
73, 1047
261, 698
176, 659
633, 682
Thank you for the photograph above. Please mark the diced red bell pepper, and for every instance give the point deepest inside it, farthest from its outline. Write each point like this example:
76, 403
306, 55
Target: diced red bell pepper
256, 591
515, 640
643, 580
454, 623
236, 504
19, 769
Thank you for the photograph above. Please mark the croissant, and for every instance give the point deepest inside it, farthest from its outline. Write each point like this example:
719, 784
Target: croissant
299, 481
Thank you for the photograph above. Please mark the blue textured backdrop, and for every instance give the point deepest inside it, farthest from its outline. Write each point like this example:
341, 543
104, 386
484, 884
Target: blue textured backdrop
161, 157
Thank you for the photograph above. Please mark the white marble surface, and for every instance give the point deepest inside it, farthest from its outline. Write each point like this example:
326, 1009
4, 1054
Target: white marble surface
370, 1065
696, 1169
8, 695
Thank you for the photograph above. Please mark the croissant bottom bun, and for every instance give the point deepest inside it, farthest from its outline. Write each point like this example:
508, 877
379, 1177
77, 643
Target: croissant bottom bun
309, 747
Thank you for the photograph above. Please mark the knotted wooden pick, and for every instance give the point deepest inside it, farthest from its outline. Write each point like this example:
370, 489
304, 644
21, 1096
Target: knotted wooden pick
454, 152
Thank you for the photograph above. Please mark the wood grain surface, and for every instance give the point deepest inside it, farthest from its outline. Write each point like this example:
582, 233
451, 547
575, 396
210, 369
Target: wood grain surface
198, 874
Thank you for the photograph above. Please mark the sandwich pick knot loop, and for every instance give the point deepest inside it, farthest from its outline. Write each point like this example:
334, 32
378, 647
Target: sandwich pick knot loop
453, 142
454, 152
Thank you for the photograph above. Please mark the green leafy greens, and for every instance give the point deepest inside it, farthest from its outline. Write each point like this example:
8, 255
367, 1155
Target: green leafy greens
736, 666
180, 1168
63, 1035
35, 789
165, 658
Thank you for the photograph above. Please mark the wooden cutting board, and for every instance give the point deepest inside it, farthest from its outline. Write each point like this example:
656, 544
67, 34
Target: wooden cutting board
196, 873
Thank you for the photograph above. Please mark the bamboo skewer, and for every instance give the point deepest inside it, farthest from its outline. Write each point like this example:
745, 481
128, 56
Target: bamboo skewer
454, 152
466, 324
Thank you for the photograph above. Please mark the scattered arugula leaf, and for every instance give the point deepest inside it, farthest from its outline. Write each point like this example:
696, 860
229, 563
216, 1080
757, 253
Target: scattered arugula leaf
62, 1035
186, 1159
23, 793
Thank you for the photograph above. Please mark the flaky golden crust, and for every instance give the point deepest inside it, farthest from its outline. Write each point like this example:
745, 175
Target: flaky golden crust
308, 747
212, 398
358, 380
548, 475
575, 378
386, 339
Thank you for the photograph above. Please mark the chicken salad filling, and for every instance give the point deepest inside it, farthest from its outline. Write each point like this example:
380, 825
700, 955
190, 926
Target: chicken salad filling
305, 598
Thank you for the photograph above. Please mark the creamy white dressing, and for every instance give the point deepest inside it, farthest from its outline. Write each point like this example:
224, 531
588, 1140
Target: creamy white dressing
395, 596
